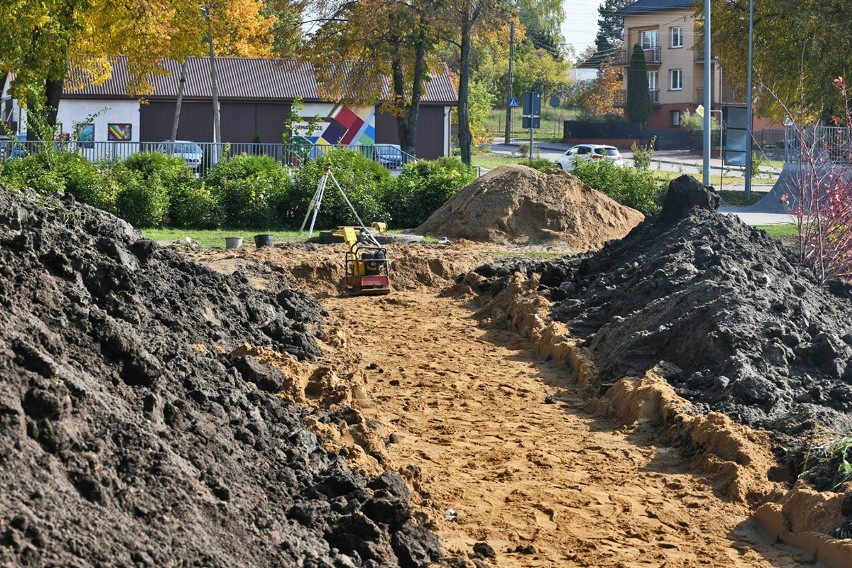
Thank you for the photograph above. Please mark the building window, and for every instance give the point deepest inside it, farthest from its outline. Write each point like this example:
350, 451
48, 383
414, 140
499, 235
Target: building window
675, 119
652, 80
675, 80
648, 39
677, 37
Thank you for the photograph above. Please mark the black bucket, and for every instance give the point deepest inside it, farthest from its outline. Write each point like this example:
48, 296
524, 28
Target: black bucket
263, 241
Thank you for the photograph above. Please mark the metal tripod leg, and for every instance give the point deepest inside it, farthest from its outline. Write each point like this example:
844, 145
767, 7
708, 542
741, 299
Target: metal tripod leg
316, 201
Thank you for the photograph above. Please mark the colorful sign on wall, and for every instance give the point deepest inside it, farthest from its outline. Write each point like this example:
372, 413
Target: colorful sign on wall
122, 132
344, 126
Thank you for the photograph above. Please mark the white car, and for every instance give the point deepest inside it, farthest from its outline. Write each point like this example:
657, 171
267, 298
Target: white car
567, 160
189, 151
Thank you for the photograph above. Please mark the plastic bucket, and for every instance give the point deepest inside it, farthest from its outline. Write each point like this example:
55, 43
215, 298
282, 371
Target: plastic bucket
233, 242
263, 241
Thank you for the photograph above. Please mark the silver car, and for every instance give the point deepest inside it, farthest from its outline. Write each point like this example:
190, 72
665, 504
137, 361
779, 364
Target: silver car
189, 151
567, 161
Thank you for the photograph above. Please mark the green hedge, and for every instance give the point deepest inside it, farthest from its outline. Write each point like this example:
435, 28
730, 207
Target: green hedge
364, 181
251, 191
154, 190
629, 186
422, 187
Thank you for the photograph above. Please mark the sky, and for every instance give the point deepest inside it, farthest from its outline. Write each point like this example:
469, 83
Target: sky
581, 23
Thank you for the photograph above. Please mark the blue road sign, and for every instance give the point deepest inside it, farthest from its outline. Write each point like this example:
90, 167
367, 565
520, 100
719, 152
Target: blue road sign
513, 102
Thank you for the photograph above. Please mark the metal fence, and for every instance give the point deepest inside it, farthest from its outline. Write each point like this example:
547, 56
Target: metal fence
818, 144
201, 156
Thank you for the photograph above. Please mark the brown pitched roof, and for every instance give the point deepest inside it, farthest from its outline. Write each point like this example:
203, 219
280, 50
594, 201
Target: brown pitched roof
242, 78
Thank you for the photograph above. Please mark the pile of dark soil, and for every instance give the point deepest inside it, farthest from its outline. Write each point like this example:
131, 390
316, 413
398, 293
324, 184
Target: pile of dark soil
129, 435
751, 332
520, 205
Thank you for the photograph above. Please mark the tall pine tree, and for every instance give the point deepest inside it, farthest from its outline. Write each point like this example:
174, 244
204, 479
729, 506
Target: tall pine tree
610, 26
638, 105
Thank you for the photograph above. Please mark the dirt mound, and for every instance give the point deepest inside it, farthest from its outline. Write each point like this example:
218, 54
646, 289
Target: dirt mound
751, 333
133, 432
320, 268
517, 204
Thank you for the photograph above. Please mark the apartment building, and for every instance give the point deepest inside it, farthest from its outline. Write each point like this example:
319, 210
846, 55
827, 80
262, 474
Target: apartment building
667, 31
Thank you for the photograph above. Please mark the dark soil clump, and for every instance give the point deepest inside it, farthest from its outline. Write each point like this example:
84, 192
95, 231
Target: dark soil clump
752, 333
129, 436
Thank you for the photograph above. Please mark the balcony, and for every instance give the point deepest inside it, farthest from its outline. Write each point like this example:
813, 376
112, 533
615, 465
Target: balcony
621, 98
653, 56
730, 95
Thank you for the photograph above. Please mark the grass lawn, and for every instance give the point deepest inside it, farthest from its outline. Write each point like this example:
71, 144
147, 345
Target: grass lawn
216, 238
783, 231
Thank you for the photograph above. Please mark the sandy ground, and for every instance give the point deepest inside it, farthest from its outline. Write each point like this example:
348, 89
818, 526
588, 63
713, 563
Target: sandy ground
500, 446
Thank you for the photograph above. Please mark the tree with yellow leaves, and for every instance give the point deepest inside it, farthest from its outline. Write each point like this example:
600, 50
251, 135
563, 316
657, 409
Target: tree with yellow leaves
47, 38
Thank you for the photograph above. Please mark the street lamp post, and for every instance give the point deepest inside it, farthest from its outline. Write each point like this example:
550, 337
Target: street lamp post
217, 125
708, 85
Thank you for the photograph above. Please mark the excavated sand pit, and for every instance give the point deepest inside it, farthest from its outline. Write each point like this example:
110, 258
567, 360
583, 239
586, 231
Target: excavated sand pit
520, 205
230, 420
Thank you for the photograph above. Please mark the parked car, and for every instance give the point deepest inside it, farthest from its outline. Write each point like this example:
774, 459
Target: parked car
13, 147
189, 151
567, 161
388, 155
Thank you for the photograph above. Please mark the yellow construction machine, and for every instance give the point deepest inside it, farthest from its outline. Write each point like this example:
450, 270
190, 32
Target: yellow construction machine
367, 265
366, 260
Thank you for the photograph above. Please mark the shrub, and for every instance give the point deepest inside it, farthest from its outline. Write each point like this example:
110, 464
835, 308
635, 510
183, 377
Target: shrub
250, 191
31, 171
63, 172
365, 182
423, 186
87, 182
629, 186
642, 154
194, 207
540, 164
143, 200
172, 170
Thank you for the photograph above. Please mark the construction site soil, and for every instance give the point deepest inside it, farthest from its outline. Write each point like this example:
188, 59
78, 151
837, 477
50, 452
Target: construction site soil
612, 409
138, 425
519, 205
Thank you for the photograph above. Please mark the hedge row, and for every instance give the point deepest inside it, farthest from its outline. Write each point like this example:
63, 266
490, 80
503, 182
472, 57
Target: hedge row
155, 190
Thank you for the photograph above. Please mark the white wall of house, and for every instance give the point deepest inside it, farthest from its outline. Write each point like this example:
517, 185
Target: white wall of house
108, 112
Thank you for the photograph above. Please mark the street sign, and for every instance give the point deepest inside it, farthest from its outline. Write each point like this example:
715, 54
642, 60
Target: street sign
700, 111
736, 137
532, 110
513, 102
555, 101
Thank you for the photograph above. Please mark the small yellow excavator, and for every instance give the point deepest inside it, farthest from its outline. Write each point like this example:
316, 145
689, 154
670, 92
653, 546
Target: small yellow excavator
367, 265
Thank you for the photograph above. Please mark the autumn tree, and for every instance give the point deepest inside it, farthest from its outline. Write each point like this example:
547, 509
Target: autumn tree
54, 36
537, 70
800, 46
638, 104
602, 97
466, 16
542, 20
359, 47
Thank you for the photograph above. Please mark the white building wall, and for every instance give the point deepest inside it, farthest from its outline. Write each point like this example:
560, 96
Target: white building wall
108, 112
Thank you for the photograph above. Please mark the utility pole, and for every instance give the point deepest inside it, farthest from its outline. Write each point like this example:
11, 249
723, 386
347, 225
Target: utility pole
508, 134
708, 86
217, 125
748, 100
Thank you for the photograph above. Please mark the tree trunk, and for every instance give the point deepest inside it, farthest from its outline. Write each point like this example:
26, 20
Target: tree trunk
465, 138
179, 102
407, 122
52, 95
